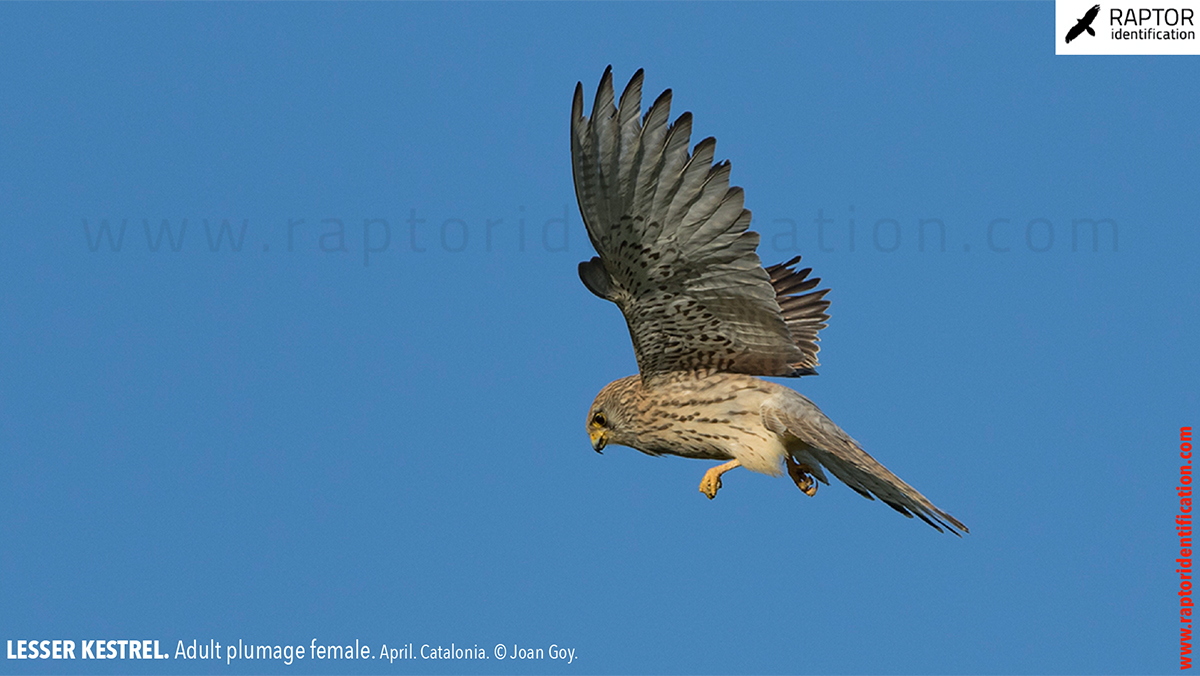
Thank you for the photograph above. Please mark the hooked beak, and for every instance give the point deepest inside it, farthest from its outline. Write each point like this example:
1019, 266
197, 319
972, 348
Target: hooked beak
599, 439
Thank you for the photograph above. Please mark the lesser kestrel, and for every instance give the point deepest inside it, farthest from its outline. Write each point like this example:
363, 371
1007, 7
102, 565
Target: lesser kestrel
676, 255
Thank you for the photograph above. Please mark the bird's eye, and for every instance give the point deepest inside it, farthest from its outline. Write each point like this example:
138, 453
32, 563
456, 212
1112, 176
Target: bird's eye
599, 420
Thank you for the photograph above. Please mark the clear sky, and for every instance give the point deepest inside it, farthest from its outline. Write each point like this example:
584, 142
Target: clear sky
378, 435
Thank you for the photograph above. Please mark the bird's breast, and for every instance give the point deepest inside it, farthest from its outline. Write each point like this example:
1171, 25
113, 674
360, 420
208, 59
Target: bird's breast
716, 417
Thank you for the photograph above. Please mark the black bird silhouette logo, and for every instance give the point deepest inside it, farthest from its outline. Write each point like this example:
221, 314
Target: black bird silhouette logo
1085, 24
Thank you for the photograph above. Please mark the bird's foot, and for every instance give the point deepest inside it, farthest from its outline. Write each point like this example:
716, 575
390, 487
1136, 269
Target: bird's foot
802, 475
711, 483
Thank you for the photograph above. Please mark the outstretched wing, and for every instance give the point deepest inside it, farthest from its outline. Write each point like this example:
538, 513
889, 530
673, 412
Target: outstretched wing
674, 250
792, 416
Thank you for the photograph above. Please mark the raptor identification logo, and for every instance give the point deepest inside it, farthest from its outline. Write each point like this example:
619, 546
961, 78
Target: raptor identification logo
1083, 27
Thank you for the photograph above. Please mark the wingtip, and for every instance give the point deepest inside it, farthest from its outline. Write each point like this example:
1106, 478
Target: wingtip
706, 144
664, 97
605, 86
634, 90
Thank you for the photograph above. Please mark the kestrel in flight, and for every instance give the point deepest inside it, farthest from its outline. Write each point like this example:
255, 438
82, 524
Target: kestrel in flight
676, 256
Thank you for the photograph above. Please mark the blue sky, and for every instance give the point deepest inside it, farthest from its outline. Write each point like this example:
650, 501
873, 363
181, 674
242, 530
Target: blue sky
378, 436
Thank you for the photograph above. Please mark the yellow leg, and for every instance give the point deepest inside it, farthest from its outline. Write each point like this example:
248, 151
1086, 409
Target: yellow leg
711, 483
800, 474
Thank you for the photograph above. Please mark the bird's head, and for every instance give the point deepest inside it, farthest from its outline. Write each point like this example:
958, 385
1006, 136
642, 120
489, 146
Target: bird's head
610, 420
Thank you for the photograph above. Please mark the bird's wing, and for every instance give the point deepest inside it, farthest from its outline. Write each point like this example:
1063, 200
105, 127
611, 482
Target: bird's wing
792, 416
1075, 31
675, 252
1091, 14
804, 310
